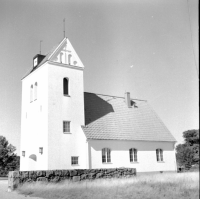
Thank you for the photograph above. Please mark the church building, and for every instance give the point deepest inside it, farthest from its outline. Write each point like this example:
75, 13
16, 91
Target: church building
63, 127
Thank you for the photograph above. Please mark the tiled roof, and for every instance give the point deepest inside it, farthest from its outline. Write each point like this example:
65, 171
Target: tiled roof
46, 58
109, 118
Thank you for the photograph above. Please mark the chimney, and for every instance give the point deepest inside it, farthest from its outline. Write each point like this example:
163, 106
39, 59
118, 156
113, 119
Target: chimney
37, 59
128, 99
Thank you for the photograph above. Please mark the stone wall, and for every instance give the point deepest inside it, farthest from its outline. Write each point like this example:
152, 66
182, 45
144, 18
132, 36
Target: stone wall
19, 177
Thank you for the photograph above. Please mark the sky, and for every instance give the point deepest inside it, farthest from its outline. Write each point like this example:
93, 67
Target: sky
149, 48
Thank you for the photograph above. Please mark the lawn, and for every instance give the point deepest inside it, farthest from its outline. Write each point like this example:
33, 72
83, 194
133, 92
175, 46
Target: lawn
154, 186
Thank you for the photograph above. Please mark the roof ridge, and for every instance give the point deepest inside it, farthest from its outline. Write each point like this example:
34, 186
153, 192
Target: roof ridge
45, 59
114, 96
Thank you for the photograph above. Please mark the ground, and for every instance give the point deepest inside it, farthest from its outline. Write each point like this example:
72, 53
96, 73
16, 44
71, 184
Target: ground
4, 194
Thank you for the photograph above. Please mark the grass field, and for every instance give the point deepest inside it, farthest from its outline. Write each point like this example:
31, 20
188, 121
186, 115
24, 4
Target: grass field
154, 186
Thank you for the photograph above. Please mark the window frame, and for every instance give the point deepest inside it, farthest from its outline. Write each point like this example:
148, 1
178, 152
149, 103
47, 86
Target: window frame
66, 87
133, 156
106, 155
73, 161
159, 155
31, 93
66, 129
35, 90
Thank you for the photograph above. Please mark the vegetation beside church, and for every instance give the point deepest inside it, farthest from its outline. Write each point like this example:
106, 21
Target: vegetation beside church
188, 153
9, 161
156, 186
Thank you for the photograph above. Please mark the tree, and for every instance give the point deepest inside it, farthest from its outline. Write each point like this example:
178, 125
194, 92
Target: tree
188, 153
191, 137
9, 161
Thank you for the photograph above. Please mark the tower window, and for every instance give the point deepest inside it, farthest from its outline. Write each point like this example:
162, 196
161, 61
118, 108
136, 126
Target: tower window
31, 93
74, 160
35, 91
66, 86
66, 127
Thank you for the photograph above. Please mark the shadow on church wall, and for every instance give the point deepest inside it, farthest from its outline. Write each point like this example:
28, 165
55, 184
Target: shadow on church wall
95, 107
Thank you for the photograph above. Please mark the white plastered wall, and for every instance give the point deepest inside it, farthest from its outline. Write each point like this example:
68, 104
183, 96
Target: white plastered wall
65, 108
34, 121
120, 155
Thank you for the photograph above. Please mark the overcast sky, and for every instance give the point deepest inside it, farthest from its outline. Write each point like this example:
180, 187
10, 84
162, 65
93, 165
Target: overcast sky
146, 47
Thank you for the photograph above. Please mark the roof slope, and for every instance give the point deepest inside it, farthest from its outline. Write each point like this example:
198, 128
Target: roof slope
66, 49
46, 58
109, 118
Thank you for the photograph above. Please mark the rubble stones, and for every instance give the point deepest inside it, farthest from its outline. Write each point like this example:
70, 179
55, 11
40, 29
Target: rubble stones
42, 179
76, 178
73, 173
55, 179
49, 173
92, 175
99, 175
20, 177
58, 172
84, 176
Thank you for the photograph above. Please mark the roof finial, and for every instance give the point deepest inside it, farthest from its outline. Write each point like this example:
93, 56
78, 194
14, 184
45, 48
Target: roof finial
64, 27
40, 46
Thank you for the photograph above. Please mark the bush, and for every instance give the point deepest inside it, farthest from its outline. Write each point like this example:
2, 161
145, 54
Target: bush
9, 161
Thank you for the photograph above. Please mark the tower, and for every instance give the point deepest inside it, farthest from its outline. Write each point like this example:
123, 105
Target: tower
53, 111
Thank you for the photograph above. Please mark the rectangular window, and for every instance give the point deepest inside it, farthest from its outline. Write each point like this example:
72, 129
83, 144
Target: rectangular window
133, 155
106, 157
74, 160
66, 126
159, 155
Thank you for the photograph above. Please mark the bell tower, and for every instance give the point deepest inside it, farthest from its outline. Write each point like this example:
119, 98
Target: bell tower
66, 105
51, 120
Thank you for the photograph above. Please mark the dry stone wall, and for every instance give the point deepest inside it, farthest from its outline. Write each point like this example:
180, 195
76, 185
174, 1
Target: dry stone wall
19, 177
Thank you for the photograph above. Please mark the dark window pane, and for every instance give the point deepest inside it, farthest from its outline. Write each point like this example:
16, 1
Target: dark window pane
66, 126
65, 86
108, 155
74, 160
135, 155
131, 155
157, 154
161, 154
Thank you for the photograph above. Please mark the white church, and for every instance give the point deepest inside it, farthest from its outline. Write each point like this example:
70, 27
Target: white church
63, 127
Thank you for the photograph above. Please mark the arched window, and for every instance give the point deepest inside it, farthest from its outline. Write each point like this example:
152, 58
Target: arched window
106, 156
66, 86
69, 59
31, 93
35, 91
133, 155
159, 155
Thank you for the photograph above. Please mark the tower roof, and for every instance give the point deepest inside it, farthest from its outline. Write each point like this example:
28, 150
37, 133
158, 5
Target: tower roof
63, 53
